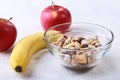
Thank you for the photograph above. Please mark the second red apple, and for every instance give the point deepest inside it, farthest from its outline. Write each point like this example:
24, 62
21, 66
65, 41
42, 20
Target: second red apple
8, 34
54, 15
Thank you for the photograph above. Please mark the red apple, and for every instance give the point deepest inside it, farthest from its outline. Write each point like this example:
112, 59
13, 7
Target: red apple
54, 15
8, 34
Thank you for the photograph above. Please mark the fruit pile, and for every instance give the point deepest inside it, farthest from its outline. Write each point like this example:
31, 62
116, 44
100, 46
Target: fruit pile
27, 46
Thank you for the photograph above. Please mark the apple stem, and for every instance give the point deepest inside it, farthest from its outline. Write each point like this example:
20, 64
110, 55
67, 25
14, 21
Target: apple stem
53, 5
8, 20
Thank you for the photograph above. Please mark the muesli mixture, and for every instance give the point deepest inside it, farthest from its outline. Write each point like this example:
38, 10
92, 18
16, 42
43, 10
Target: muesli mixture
77, 50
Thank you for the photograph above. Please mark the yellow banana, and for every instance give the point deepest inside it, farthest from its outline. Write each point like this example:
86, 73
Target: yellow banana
25, 48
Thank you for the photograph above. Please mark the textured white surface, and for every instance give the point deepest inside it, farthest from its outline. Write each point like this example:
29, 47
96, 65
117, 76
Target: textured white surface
26, 17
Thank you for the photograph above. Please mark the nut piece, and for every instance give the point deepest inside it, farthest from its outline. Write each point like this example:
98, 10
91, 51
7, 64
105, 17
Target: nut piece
58, 43
97, 44
61, 41
84, 43
69, 45
91, 46
81, 59
72, 40
77, 45
68, 40
72, 48
89, 59
78, 38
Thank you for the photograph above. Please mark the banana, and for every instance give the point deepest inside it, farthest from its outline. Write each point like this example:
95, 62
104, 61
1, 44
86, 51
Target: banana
25, 48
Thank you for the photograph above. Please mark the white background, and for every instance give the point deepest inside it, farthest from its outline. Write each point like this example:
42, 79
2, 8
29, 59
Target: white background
26, 18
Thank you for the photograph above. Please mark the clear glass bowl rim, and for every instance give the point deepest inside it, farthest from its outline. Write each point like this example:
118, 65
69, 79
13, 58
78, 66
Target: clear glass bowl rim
79, 23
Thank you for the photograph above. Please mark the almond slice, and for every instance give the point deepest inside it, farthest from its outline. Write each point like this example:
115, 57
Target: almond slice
69, 45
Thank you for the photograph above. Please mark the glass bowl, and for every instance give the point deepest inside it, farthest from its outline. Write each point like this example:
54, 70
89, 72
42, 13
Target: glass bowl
81, 58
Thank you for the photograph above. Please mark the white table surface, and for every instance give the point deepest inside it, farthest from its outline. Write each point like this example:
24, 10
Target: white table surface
26, 17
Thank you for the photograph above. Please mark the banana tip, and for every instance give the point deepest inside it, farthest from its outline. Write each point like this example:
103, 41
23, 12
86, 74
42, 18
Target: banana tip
18, 69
